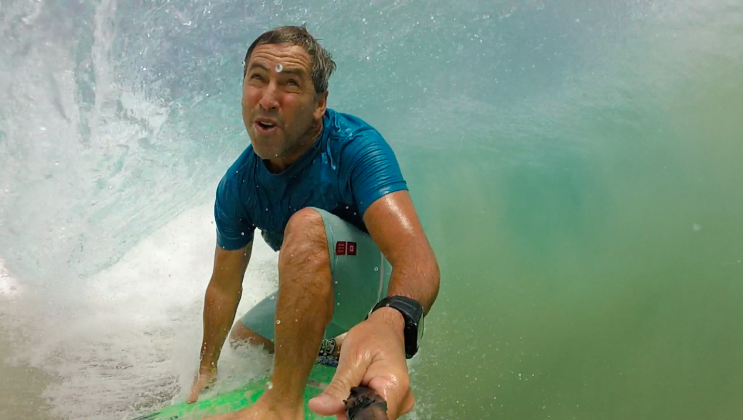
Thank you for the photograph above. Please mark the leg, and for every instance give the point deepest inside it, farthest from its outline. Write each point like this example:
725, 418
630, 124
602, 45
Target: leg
304, 306
242, 336
309, 254
256, 328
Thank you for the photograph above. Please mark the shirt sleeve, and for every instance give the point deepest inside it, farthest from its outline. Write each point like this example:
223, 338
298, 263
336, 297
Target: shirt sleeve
375, 171
234, 230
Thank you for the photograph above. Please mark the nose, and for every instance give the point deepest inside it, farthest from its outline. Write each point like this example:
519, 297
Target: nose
269, 98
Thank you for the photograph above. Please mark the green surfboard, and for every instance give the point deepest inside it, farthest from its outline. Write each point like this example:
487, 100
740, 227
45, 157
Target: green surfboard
243, 397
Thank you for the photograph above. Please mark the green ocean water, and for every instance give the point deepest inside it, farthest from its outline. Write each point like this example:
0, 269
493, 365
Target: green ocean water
599, 277
578, 168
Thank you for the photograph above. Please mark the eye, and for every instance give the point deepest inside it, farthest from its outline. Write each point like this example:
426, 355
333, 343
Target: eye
292, 82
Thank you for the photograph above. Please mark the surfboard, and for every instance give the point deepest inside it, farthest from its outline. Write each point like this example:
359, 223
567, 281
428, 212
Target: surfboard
242, 397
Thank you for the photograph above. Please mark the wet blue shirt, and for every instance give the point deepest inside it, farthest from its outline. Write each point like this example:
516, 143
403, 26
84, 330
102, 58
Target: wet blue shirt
347, 169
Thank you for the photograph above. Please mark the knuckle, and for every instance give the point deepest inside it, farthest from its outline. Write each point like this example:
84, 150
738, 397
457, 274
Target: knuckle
339, 388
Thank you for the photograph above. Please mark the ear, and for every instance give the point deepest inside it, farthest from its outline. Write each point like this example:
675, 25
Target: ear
321, 105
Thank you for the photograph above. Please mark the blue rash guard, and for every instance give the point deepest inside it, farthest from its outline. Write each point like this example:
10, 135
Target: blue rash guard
347, 169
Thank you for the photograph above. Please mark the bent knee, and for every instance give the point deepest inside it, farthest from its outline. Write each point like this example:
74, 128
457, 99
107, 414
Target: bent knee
306, 221
304, 237
242, 336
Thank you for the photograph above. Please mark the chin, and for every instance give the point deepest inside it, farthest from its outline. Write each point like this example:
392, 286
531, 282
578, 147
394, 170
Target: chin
265, 151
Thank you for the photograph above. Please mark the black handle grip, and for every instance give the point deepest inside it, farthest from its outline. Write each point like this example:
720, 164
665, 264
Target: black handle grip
365, 404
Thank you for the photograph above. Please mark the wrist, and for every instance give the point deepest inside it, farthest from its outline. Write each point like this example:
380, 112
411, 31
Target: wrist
391, 317
207, 364
408, 321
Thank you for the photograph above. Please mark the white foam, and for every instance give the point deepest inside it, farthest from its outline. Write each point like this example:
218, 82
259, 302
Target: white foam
128, 339
9, 286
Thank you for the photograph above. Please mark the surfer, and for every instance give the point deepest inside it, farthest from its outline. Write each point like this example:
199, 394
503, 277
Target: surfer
326, 192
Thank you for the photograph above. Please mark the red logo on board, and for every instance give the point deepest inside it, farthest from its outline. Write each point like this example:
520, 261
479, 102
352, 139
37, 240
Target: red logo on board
351, 249
340, 248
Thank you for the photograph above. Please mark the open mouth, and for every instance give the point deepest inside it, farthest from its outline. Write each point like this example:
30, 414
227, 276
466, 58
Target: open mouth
265, 126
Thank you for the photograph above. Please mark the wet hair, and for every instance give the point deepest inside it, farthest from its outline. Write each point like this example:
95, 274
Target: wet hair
322, 62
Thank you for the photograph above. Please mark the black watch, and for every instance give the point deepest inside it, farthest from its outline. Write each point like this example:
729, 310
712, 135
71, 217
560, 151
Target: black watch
412, 312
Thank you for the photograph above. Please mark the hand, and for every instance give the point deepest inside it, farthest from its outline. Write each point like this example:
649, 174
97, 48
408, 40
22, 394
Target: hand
373, 355
207, 376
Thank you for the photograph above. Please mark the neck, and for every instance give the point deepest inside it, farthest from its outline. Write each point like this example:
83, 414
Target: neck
280, 164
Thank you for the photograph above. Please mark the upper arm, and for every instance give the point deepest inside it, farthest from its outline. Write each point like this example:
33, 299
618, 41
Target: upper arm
394, 226
373, 169
383, 200
234, 229
229, 267
234, 235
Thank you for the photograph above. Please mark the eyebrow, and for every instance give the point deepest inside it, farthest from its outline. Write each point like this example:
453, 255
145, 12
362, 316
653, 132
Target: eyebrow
293, 71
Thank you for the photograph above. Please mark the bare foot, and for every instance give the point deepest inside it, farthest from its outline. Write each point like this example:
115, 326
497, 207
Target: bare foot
338, 344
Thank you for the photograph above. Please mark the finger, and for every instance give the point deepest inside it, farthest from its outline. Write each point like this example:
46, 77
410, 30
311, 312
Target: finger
349, 373
396, 392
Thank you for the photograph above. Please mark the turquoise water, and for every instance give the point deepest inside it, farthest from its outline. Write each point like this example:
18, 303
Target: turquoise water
577, 168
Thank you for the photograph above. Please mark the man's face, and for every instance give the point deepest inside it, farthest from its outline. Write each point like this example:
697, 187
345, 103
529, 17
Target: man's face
279, 105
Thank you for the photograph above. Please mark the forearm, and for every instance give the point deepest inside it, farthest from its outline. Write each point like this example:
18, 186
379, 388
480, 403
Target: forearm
220, 306
416, 277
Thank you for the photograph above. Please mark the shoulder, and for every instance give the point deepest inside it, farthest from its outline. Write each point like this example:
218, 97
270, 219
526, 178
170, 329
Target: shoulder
351, 133
235, 175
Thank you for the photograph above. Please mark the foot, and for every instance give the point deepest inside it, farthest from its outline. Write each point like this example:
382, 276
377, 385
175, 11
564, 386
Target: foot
339, 343
263, 409
330, 351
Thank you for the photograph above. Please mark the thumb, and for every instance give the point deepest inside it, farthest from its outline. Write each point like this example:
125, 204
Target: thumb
348, 375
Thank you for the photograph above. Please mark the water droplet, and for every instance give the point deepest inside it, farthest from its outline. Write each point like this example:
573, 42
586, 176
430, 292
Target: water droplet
376, 268
279, 67
242, 233
278, 321
270, 385
336, 282
697, 227
273, 297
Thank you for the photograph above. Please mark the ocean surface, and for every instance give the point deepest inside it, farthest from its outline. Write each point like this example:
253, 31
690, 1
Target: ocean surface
577, 166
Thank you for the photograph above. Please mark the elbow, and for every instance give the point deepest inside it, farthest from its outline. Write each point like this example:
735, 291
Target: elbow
434, 282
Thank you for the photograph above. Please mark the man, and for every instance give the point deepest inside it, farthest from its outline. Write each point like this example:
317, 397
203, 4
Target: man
326, 191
